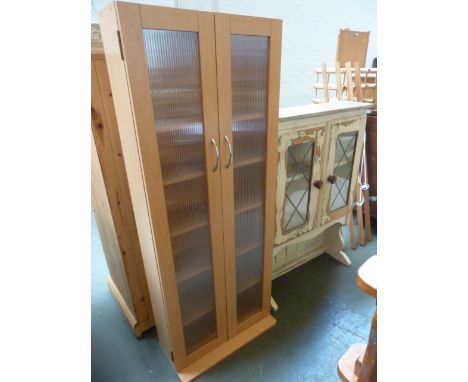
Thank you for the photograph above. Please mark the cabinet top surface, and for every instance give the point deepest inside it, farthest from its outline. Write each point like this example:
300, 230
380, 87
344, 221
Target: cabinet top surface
314, 109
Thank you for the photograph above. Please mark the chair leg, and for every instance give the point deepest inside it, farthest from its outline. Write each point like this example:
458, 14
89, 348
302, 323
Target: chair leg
367, 219
365, 193
359, 214
352, 237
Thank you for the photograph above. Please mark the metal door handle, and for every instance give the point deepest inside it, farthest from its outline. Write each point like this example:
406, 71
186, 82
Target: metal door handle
230, 151
213, 142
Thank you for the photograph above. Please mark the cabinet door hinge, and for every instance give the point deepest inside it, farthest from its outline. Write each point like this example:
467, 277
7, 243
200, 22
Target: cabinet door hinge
172, 356
120, 45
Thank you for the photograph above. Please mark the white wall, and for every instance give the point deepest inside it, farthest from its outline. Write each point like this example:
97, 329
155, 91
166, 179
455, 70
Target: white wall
310, 31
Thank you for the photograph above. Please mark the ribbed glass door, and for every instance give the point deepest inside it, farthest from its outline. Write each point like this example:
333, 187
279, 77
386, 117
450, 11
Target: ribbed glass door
173, 61
249, 65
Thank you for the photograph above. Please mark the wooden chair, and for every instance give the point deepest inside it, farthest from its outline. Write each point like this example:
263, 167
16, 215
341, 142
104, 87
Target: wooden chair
352, 83
351, 55
359, 363
352, 46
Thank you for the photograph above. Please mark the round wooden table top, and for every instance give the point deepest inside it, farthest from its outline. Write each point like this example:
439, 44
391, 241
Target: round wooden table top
367, 276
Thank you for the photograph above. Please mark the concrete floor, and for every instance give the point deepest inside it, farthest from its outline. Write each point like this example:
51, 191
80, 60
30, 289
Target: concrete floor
321, 313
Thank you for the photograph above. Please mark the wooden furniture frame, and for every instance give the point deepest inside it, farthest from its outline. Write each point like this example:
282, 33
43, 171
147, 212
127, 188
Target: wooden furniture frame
323, 124
122, 28
112, 204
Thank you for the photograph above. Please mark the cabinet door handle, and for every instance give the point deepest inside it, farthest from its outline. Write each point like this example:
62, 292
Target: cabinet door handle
318, 184
213, 142
230, 151
332, 179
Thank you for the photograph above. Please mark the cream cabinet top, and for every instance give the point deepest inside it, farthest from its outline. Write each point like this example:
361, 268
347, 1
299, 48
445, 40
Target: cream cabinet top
314, 109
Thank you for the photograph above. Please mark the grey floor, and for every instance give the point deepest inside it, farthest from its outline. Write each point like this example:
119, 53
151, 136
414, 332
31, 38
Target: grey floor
321, 313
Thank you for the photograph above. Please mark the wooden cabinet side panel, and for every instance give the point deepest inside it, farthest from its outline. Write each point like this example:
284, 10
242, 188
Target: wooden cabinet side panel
107, 232
271, 156
124, 113
109, 150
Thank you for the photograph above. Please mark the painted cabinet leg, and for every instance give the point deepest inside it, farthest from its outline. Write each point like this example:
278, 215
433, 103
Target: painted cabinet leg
333, 242
352, 237
273, 304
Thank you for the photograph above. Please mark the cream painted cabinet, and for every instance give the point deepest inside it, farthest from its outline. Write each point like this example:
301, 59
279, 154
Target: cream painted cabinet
319, 151
196, 97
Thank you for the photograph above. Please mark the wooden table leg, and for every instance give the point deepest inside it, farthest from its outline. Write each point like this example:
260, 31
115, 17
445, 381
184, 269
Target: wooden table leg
368, 372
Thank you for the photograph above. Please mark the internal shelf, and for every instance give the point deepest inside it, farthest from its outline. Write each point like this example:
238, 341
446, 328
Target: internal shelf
191, 272
187, 221
244, 310
197, 333
249, 161
167, 125
249, 284
197, 297
251, 267
194, 123
199, 311
187, 171
245, 206
194, 271
193, 221
248, 117
248, 248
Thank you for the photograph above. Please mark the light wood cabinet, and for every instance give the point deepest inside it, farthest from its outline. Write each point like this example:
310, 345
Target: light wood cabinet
319, 153
196, 96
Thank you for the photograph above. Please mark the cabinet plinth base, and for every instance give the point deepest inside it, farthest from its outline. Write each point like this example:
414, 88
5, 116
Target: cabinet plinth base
137, 327
217, 355
326, 239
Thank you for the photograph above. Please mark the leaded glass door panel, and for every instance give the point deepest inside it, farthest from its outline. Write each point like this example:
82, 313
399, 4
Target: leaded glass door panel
343, 165
299, 181
345, 150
